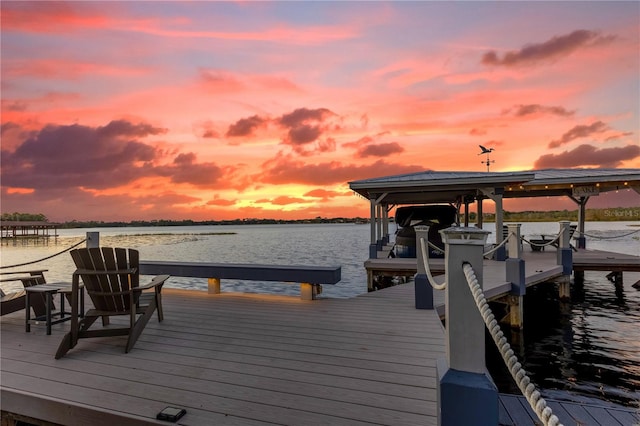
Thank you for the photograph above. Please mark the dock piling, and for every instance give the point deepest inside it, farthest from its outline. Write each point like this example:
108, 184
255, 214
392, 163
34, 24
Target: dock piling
515, 274
466, 392
423, 289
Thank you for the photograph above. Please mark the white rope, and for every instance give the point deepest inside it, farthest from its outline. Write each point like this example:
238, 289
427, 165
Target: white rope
528, 389
546, 243
425, 260
490, 252
435, 247
600, 237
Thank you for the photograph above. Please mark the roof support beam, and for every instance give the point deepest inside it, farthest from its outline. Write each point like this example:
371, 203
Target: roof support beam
496, 195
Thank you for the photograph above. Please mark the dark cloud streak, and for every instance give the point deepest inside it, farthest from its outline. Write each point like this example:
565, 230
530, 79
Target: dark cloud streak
553, 48
588, 155
579, 131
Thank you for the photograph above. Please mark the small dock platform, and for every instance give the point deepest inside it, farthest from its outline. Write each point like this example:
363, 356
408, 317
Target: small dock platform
598, 260
27, 231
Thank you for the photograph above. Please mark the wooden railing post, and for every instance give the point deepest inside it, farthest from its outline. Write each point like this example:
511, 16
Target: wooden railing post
515, 275
423, 289
466, 392
93, 239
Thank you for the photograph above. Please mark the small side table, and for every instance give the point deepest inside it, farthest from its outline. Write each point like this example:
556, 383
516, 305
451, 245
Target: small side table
49, 290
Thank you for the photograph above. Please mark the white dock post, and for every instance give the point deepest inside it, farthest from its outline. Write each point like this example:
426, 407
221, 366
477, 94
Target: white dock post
515, 275
423, 289
466, 392
93, 240
565, 255
373, 246
565, 258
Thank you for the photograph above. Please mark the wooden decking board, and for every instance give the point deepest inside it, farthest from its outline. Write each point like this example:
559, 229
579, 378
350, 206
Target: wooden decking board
376, 382
146, 401
273, 393
625, 417
599, 260
516, 410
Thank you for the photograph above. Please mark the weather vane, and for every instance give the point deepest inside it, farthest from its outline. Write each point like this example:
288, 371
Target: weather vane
486, 151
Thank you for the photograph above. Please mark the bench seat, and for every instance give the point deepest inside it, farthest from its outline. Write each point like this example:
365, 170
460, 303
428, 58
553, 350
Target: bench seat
309, 277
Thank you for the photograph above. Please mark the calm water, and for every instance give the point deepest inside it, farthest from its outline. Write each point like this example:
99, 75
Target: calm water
589, 348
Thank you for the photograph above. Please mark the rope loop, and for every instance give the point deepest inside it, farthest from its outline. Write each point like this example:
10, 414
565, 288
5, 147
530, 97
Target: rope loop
44, 258
425, 260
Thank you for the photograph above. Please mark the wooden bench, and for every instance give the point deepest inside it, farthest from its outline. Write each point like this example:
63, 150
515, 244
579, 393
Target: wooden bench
310, 277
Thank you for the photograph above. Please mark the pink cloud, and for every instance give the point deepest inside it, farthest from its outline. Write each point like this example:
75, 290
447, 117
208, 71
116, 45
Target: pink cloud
380, 150
323, 194
285, 171
538, 110
579, 131
588, 155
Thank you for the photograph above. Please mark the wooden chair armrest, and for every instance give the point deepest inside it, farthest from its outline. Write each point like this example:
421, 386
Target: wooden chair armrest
35, 271
155, 282
107, 272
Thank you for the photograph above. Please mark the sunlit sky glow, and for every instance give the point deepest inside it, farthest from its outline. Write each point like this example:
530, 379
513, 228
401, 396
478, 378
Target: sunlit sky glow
223, 110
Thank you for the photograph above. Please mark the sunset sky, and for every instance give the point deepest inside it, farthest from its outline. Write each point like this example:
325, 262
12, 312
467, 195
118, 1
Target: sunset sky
222, 110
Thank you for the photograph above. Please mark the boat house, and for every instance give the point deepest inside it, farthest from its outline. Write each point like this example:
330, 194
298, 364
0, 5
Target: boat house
463, 189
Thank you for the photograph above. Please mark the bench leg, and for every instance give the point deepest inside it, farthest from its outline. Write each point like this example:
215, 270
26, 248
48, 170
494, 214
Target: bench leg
27, 307
214, 285
48, 312
309, 291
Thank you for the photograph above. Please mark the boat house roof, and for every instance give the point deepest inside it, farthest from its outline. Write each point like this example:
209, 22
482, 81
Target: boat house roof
448, 187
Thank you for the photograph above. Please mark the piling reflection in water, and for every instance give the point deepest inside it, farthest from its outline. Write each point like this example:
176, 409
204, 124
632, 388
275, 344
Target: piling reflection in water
586, 348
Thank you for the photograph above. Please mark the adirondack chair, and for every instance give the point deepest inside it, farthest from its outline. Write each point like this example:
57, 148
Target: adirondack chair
111, 279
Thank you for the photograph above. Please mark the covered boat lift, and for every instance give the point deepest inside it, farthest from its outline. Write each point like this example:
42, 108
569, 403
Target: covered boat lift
465, 188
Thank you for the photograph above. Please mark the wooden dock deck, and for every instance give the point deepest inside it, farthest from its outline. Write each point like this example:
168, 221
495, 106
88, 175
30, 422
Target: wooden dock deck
247, 359
232, 359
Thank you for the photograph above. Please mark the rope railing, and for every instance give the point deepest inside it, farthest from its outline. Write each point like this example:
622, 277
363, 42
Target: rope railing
425, 260
546, 243
528, 389
44, 258
600, 237
505, 241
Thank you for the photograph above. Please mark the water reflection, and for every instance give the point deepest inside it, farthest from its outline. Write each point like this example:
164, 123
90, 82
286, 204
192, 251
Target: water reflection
587, 348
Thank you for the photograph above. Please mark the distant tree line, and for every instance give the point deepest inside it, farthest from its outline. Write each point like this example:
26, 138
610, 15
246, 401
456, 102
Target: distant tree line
593, 215
24, 217
612, 214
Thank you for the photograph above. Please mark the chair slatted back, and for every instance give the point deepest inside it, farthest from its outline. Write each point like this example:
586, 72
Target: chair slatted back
108, 292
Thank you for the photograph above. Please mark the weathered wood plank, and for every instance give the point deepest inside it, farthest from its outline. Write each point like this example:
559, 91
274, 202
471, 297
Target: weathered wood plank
516, 410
